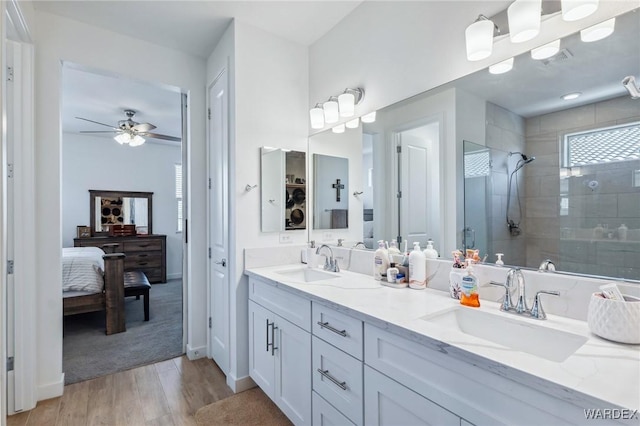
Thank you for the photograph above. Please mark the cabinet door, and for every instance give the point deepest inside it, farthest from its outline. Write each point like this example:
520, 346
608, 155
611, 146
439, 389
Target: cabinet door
293, 367
324, 414
387, 402
261, 359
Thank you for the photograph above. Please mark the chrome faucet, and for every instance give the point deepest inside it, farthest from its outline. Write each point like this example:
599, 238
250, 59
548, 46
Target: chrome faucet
515, 280
359, 243
330, 264
547, 265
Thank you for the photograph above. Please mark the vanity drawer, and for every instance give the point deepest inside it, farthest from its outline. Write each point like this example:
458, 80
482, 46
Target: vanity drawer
325, 414
140, 260
337, 377
341, 330
142, 245
289, 306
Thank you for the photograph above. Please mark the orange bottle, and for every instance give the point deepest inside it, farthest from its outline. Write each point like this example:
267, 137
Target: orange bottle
469, 293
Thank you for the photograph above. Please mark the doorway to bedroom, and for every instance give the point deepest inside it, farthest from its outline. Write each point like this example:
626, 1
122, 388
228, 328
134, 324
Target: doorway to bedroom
122, 191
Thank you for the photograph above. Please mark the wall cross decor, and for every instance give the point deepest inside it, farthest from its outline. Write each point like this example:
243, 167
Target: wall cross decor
338, 186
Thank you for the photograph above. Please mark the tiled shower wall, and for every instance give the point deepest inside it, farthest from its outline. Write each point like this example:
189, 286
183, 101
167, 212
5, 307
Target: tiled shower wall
606, 205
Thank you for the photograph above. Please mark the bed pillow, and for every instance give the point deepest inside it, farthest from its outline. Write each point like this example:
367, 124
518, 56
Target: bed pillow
368, 229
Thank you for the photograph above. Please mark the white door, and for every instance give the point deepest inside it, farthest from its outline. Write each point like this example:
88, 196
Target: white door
218, 222
261, 350
413, 183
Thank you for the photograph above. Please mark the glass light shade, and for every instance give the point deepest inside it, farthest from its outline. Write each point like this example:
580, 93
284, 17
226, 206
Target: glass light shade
347, 103
501, 67
546, 51
330, 112
136, 141
122, 138
524, 20
572, 10
369, 118
570, 96
479, 39
598, 31
353, 124
338, 129
316, 115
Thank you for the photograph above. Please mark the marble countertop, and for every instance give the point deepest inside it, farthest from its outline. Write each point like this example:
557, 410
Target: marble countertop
599, 371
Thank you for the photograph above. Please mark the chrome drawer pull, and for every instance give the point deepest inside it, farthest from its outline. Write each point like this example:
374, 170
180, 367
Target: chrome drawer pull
326, 325
325, 373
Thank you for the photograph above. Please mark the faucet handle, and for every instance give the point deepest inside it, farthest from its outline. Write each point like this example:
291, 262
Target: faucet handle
340, 240
537, 311
506, 301
336, 267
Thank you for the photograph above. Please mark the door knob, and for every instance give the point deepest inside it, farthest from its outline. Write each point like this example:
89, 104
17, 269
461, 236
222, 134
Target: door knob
222, 262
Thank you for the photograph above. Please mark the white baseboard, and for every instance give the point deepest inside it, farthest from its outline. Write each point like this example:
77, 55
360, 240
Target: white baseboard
197, 352
50, 390
176, 276
240, 385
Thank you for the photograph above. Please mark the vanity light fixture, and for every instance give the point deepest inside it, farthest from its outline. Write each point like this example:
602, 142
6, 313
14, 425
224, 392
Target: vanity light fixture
598, 31
348, 101
501, 67
369, 118
479, 38
330, 108
570, 96
546, 51
353, 124
316, 115
338, 129
524, 20
573, 10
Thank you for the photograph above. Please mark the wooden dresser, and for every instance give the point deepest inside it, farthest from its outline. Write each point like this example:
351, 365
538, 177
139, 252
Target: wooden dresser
146, 253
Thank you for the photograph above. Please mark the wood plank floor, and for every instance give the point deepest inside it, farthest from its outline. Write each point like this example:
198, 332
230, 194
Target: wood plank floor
165, 393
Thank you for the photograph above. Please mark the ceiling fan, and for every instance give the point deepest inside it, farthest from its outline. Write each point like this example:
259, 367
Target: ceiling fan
130, 132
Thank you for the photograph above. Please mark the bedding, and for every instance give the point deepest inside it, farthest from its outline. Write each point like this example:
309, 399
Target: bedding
82, 270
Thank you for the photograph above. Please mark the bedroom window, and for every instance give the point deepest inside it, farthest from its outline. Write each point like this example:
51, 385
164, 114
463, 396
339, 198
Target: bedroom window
178, 174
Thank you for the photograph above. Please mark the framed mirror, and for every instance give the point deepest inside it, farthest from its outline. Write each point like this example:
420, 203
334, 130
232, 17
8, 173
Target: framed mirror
283, 189
108, 208
330, 189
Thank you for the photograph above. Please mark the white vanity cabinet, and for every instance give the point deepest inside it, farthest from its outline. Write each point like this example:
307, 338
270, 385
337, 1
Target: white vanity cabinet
280, 350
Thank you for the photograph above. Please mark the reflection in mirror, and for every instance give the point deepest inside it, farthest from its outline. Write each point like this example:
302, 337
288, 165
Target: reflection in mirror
110, 208
331, 192
283, 189
477, 167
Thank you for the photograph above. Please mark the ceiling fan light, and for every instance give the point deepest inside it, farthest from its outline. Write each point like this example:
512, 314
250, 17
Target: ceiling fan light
338, 129
546, 51
598, 31
501, 67
573, 10
524, 20
122, 138
479, 39
369, 118
316, 115
137, 140
331, 114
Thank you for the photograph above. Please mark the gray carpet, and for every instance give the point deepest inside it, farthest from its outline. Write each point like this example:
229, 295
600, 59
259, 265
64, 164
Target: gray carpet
89, 353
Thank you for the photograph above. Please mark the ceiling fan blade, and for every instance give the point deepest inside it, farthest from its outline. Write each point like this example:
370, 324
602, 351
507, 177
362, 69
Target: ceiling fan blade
159, 136
143, 127
97, 122
98, 131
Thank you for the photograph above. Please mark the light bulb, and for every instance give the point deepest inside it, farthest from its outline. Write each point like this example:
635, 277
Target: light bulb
137, 140
501, 67
573, 10
316, 115
338, 129
122, 138
347, 103
598, 31
546, 51
330, 111
479, 39
369, 118
524, 20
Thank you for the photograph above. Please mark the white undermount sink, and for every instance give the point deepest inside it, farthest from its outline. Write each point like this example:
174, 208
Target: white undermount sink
522, 334
307, 275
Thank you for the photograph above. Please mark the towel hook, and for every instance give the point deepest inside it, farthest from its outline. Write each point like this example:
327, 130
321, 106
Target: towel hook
248, 188
356, 193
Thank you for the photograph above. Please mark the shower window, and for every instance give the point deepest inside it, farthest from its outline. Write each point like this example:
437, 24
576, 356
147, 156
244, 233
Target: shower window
605, 145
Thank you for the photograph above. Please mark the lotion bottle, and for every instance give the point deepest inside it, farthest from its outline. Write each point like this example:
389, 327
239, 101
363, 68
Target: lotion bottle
430, 252
417, 268
469, 294
380, 261
622, 232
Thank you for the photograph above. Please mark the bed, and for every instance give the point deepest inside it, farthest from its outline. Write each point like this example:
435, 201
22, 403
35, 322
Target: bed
367, 237
94, 281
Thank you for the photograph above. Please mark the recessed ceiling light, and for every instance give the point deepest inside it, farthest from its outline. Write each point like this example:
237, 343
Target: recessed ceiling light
570, 96
501, 67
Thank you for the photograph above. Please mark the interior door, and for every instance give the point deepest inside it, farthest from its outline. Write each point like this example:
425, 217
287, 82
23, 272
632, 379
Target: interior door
218, 222
415, 200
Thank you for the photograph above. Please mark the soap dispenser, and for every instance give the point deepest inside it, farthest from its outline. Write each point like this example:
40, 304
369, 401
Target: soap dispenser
469, 294
417, 268
430, 252
380, 261
499, 262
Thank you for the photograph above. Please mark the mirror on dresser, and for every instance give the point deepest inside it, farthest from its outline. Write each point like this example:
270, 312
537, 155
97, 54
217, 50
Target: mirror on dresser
112, 209
565, 197
283, 189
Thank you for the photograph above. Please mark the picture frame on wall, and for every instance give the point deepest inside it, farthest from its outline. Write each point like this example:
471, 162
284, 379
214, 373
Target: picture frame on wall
83, 231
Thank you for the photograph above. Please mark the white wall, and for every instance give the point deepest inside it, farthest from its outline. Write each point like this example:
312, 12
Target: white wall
59, 39
90, 162
268, 101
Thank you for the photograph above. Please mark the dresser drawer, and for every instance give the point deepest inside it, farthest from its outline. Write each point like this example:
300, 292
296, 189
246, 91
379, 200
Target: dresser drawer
337, 377
106, 246
142, 245
341, 330
289, 306
324, 414
141, 260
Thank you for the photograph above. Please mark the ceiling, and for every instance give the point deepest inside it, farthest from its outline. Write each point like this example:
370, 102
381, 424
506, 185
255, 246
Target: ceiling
190, 26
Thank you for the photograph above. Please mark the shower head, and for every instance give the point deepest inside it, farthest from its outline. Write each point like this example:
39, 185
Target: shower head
629, 83
527, 159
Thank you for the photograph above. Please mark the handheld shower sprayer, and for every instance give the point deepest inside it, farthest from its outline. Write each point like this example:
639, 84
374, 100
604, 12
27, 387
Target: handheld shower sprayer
514, 227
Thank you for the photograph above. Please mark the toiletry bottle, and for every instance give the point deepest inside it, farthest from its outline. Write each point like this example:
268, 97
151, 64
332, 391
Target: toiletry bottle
622, 232
417, 268
499, 262
393, 248
455, 275
430, 252
392, 274
380, 261
312, 257
469, 295
598, 231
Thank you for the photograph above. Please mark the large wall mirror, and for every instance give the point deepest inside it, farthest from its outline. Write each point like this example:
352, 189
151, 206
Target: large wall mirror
539, 176
283, 189
330, 189
109, 208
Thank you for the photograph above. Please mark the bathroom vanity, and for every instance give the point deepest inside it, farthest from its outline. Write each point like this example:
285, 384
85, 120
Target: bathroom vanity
342, 349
